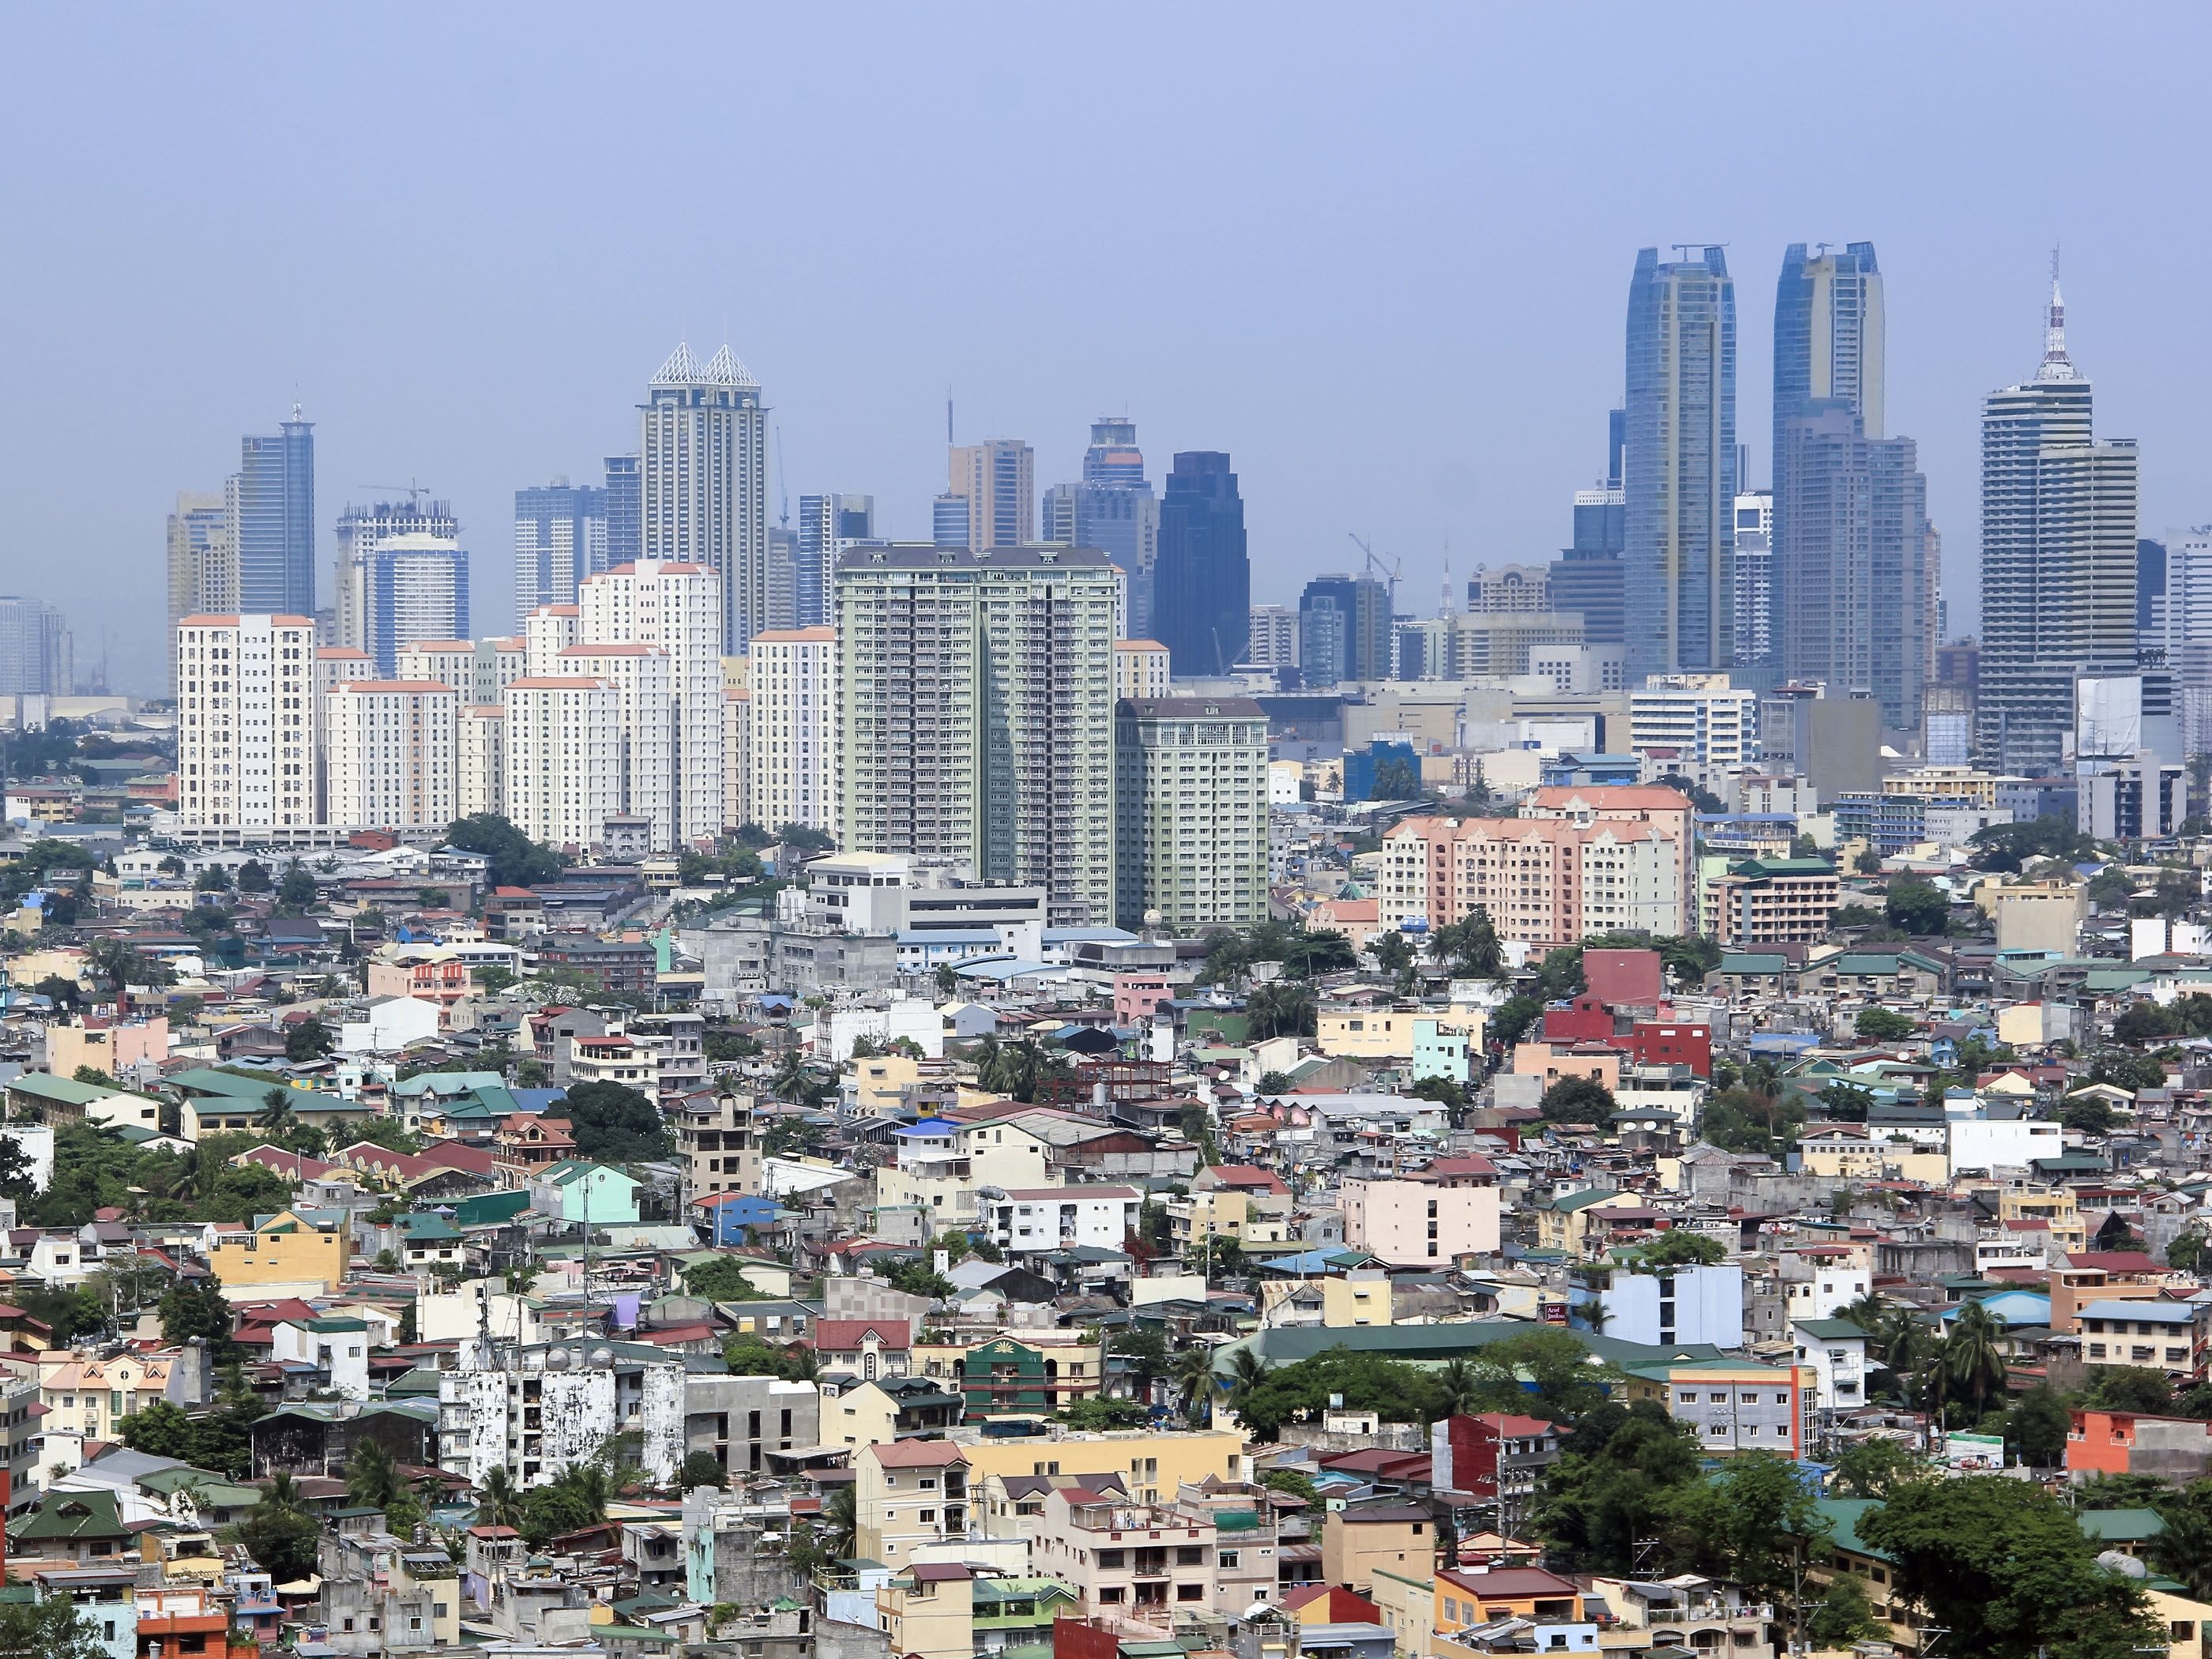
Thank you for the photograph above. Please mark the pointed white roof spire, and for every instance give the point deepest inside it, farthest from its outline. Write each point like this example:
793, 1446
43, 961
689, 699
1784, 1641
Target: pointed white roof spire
2056, 365
680, 369
725, 369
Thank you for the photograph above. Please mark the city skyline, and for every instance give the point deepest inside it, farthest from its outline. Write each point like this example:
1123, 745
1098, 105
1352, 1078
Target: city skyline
1210, 347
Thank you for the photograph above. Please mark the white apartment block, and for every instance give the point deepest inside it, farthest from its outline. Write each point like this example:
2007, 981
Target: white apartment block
334, 666
547, 632
246, 721
736, 758
480, 752
1544, 882
1190, 812
642, 676
563, 758
792, 680
391, 754
1140, 669
1696, 724
975, 718
477, 670
678, 609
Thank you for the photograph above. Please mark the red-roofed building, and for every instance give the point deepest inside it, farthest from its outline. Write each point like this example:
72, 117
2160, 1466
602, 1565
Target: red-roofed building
1466, 1597
1247, 1178
865, 1349
1330, 1604
1625, 979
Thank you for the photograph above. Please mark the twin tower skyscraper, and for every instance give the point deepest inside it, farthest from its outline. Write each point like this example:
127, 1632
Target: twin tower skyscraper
1849, 599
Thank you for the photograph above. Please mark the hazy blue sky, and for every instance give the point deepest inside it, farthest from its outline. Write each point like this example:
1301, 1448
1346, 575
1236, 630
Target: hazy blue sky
1379, 253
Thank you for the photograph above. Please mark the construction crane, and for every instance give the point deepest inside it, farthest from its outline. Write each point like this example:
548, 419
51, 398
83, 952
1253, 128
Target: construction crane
1389, 570
414, 492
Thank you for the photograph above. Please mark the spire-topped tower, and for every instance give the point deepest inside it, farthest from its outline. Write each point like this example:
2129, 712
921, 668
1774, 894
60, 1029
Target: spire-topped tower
2056, 365
703, 480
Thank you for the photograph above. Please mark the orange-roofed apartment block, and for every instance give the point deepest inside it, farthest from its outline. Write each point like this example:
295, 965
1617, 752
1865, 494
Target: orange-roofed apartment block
245, 737
1575, 862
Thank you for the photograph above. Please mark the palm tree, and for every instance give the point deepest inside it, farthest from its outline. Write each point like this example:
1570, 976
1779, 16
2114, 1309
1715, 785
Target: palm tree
281, 1497
589, 1482
1192, 1370
1867, 1313
1974, 1364
1460, 1386
1279, 1010
501, 1504
841, 1523
372, 1479
2184, 1549
1472, 946
276, 1116
1247, 1372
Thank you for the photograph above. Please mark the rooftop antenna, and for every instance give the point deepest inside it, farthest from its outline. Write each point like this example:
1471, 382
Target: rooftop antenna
782, 490
1450, 608
948, 417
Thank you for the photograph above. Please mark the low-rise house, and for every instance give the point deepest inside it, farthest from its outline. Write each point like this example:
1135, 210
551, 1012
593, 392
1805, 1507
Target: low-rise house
1121, 1557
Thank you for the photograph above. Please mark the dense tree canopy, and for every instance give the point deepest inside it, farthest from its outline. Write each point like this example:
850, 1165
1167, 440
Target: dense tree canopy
516, 861
615, 1124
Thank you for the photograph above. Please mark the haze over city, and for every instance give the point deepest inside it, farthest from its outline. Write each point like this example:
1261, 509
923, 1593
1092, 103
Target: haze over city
1382, 260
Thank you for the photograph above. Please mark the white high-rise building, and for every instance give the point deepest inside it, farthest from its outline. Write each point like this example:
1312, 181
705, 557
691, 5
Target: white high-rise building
477, 670
361, 531
480, 754
563, 758
1274, 640
413, 587
794, 761
391, 754
548, 631
830, 526
703, 475
246, 733
976, 714
1696, 726
736, 758
1755, 576
641, 674
676, 608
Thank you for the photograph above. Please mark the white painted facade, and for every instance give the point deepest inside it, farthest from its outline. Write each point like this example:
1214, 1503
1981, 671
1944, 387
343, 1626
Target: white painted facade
246, 736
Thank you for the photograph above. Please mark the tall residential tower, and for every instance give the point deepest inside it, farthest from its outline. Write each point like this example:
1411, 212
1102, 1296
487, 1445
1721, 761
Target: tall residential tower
1679, 472
703, 482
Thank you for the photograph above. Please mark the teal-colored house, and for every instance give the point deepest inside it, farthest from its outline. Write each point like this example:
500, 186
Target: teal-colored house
576, 1190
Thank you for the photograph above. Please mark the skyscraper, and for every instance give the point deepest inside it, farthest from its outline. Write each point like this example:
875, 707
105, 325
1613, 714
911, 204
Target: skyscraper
1113, 509
1191, 813
1852, 600
361, 531
1754, 577
272, 519
203, 569
413, 587
1202, 579
35, 653
625, 501
996, 479
560, 536
1834, 596
976, 714
2058, 558
703, 482
1344, 630
830, 526
1677, 474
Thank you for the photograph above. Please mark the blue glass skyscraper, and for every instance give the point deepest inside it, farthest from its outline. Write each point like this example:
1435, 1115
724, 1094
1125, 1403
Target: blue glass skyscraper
1678, 469
625, 511
1202, 579
1113, 509
275, 519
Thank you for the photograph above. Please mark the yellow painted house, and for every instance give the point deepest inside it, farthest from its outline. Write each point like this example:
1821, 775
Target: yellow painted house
1153, 1463
292, 1246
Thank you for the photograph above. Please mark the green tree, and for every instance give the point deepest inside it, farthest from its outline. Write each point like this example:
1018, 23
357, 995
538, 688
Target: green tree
615, 1124
2127, 1388
1972, 1367
1919, 907
1143, 1350
748, 1356
2185, 1251
1278, 1009
721, 1279
515, 860
372, 1480
1748, 1523
2182, 1549
52, 1629
1615, 1487
700, 1469
1294, 1481
198, 1308
499, 1499
1678, 1247
1469, 948
549, 1512
1393, 954
254, 877
1511, 1021
161, 1430
1096, 1413
306, 1040
1578, 1100
2006, 1569
280, 1533
1873, 1469
2037, 1426
1844, 1614
1882, 1025
297, 891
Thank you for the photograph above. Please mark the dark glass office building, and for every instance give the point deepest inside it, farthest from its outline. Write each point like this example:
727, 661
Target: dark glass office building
625, 509
277, 522
1201, 578
1344, 630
